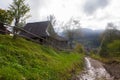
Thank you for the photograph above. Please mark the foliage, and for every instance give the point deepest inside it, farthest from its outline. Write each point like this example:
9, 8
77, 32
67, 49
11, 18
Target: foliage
79, 48
9, 73
108, 37
98, 57
114, 48
69, 30
24, 60
110, 48
19, 10
5, 16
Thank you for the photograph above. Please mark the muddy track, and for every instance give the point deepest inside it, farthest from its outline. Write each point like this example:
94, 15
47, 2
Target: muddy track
94, 70
114, 69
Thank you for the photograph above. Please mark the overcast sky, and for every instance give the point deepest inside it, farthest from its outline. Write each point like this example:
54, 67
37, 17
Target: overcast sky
94, 14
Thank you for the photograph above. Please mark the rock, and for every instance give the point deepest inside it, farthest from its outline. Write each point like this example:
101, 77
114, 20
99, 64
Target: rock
114, 69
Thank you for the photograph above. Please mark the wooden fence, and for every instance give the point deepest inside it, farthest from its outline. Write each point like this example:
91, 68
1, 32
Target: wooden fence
48, 43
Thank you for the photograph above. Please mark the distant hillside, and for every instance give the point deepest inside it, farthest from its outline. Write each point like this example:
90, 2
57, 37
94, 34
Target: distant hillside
88, 37
24, 60
88, 31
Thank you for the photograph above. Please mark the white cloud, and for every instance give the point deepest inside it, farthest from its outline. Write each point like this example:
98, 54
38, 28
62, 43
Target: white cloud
103, 11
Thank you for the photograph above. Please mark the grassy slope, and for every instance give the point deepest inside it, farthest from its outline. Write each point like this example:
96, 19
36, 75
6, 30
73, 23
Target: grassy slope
106, 59
24, 60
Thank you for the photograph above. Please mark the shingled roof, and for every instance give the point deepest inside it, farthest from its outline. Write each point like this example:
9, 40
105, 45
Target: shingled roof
38, 28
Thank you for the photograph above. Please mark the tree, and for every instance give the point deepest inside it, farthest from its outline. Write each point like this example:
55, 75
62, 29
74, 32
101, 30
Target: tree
70, 30
52, 19
19, 11
5, 16
110, 34
54, 22
114, 48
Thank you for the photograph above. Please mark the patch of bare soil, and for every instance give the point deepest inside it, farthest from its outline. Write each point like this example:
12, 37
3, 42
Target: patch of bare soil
113, 69
94, 70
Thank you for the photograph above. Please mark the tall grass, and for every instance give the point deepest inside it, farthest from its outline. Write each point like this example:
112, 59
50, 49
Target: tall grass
24, 60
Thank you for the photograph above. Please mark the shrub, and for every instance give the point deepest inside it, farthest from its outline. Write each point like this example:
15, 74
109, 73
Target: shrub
114, 48
79, 48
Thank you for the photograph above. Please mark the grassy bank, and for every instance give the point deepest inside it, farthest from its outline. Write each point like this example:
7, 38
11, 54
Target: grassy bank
24, 60
106, 59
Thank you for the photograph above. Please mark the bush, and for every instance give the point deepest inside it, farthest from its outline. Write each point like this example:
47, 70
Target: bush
114, 48
79, 48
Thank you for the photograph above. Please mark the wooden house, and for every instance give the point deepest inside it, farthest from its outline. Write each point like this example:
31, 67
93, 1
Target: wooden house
46, 32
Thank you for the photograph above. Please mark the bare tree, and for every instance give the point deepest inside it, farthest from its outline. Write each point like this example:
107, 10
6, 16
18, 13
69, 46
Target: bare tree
54, 22
70, 30
52, 19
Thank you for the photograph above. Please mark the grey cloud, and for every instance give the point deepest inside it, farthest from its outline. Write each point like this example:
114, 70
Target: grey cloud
91, 6
35, 6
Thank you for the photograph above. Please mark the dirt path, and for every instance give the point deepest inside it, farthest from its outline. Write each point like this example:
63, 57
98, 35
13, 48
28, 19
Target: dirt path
114, 69
94, 70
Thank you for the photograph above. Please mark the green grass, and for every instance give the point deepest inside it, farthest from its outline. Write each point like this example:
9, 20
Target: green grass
105, 59
24, 60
